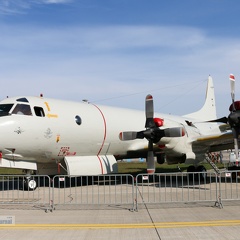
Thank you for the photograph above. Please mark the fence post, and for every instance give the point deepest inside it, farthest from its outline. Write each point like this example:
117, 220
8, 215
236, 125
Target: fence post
218, 202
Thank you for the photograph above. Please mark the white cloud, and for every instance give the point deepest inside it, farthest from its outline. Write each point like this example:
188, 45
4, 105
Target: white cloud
21, 6
105, 39
56, 1
108, 62
13, 6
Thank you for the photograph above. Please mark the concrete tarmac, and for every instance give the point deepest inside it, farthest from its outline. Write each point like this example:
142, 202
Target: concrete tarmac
167, 221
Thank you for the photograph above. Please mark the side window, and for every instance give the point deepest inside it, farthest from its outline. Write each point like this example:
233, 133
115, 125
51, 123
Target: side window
39, 111
22, 109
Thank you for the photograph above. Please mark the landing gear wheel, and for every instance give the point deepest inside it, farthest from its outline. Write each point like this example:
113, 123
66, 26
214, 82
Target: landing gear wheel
30, 183
202, 173
191, 169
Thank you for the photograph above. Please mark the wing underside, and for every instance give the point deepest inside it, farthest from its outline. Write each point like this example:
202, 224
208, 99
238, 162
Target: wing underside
202, 144
214, 143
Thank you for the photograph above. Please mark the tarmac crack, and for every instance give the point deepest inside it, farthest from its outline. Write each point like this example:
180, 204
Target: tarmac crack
149, 214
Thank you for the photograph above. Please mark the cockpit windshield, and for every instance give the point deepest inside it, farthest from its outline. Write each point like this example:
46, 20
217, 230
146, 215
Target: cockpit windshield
22, 109
4, 109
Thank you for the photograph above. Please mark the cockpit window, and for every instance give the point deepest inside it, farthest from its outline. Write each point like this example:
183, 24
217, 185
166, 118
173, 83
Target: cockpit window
22, 100
22, 109
39, 111
4, 109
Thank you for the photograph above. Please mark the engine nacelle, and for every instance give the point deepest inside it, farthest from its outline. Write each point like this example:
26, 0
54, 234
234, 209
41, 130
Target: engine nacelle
176, 159
185, 157
82, 165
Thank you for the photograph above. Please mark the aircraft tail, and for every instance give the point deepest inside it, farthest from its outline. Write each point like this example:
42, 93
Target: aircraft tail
208, 111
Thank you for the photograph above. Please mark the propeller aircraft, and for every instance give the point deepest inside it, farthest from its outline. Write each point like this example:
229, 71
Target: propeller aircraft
47, 136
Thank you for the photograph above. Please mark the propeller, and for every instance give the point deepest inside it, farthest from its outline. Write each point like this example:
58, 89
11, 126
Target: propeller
152, 132
234, 116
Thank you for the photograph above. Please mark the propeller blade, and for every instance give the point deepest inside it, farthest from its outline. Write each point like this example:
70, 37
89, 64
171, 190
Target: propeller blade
220, 120
125, 136
150, 158
235, 136
234, 116
149, 111
149, 106
232, 84
152, 133
174, 132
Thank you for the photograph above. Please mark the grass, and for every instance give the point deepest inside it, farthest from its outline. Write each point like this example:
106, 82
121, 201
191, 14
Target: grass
10, 171
141, 167
129, 168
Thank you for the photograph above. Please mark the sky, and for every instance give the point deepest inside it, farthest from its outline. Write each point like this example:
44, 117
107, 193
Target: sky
115, 52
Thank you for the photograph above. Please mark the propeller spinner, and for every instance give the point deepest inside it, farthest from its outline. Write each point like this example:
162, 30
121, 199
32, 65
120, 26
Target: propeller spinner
234, 116
152, 133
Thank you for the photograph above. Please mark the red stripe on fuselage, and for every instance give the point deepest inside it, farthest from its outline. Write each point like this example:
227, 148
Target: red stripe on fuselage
104, 136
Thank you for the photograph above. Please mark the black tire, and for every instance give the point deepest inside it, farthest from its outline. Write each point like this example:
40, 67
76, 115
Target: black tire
202, 173
191, 172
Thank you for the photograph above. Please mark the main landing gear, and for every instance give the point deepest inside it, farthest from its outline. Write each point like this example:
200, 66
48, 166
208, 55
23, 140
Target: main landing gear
197, 173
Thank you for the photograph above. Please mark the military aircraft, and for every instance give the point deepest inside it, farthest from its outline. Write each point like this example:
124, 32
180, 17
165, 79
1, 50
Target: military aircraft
47, 136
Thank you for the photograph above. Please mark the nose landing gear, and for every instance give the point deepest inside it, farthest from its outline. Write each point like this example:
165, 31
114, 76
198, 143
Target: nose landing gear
29, 183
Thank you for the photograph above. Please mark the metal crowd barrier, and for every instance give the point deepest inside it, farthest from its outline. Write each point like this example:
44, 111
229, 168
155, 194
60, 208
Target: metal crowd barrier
187, 187
85, 191
122, 191
13, 192
229, 185
175, 187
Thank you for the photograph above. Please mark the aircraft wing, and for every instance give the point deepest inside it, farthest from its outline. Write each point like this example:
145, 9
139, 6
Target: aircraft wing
213, 143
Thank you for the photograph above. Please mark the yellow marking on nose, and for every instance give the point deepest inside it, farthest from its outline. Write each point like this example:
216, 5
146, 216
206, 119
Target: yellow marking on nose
52, 115
48, 108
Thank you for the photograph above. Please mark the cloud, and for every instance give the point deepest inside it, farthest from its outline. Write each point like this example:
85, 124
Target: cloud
13, 6
95, 40
117, 37
56, 1
10, 7
117, 65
